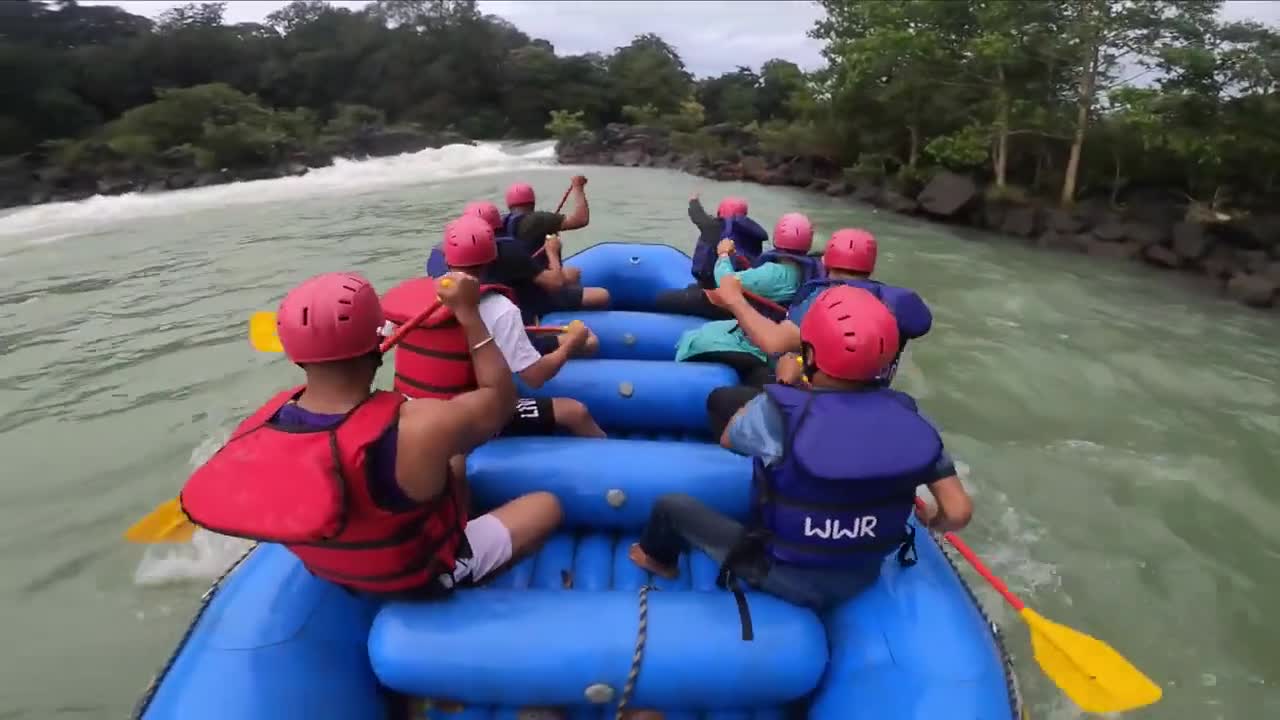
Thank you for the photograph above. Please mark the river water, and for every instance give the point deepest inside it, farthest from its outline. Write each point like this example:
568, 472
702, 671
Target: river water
1119, 430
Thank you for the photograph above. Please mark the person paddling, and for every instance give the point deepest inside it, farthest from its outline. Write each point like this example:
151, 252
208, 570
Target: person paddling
471, 248
397, 522
850, 259
531, 230
777, 278
838, 459
730, 223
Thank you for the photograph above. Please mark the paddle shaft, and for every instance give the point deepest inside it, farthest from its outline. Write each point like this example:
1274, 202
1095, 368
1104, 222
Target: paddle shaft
407, 328
564, 199
963, 548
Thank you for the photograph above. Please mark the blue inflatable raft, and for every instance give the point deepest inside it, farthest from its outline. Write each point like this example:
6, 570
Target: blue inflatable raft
556, 635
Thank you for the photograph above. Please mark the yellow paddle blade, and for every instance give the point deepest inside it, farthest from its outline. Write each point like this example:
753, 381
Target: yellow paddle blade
262, 332
166, 524
1089, 671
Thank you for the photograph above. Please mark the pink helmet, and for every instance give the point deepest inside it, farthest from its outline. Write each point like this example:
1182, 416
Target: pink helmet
851, 249
730, 207
519, 194
853, 335
469, 242
486, 211
793, 232
334, 316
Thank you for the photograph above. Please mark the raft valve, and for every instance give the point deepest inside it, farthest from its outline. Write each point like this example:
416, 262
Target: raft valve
599, 694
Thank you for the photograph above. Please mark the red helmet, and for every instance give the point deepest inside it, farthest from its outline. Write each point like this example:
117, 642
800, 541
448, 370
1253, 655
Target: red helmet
853, 335
469, 242
851, 249
519, 194
730, 207
793, 232
335, 316
486, 211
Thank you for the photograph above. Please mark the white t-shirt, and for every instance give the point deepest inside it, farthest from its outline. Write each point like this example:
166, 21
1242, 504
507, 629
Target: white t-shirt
502, 318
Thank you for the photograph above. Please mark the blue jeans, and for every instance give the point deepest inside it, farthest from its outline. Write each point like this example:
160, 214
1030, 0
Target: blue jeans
679, 523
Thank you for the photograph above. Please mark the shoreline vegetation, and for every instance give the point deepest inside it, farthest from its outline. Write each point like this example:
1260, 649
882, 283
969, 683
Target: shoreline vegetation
1143, 130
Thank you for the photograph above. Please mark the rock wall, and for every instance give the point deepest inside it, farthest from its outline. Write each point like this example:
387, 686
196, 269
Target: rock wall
1239, 258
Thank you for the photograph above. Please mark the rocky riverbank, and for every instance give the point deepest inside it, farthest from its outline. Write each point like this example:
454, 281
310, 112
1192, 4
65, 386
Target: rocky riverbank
33, 179
1236, 257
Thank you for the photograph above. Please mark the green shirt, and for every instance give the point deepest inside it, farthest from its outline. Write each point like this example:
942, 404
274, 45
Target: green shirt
777, 281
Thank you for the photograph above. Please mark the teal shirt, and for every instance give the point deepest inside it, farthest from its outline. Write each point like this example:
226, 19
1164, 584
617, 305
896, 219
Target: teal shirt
777, 281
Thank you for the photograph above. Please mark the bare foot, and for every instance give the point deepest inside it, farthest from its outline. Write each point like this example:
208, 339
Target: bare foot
641, 558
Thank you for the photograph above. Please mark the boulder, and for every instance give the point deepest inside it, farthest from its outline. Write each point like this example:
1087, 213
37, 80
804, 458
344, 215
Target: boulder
1253, 290
754, 169
838, 188
1146, 233
1128, 250
1161, 256
1110, 231
1019, 221
947, 194
897, 202
1067, 222
1190, 241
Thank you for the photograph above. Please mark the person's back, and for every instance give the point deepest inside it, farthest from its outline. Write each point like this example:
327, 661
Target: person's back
535, 234
398, 525
837, 464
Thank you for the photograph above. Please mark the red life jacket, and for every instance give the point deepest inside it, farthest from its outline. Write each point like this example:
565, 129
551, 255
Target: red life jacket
309, 490
432, 360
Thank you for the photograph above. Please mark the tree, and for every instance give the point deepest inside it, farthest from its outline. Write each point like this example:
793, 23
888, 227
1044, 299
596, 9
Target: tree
649, 71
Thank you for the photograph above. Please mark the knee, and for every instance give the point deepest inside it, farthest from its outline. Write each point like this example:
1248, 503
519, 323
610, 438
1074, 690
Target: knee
458, 467
569, 412
592, 345
545, 508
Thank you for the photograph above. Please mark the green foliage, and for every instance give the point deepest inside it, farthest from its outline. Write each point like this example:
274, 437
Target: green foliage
566, 125
1029, 93
964, 149
646, 114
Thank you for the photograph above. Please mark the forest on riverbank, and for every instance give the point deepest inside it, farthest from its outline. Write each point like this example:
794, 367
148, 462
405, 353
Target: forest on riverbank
1056, 100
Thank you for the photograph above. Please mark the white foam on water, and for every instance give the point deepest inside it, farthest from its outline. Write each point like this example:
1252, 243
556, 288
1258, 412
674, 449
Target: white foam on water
53, 222
207, 556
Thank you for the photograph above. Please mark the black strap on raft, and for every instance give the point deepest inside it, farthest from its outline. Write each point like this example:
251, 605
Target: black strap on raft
907, 552
747, 552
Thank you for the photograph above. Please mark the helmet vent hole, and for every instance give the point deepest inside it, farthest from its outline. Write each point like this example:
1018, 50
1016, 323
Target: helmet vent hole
305, 312
344, 317
348, 287
842, 318
344, 301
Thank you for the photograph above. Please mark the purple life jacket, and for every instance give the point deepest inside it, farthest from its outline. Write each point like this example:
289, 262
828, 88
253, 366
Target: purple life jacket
810, 266
913, 315
843, 492
748, 240
436, 265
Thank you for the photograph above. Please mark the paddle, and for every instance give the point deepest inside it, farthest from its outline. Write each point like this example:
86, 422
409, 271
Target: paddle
1089, 671
563, 199
166, 524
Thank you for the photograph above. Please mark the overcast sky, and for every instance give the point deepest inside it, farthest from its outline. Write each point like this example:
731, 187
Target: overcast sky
712, 36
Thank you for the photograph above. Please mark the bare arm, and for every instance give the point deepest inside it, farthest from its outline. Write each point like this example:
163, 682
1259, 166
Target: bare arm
581, 214
550, 280
764, 333
537, 374
955, 507
432, 431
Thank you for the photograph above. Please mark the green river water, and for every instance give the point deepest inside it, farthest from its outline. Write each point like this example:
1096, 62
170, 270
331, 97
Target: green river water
1118, 430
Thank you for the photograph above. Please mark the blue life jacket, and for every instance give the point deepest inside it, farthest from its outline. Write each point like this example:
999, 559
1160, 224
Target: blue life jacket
436, 266
748, 240
909, 309
811, 267
844, 489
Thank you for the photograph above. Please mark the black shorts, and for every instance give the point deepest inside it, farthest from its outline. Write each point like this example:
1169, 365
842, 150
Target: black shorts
534, 416
545, 343
725, 402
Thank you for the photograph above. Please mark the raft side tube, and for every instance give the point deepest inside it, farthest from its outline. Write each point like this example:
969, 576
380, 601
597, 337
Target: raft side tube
628, 335
633, 273
913, 647
517, 648
609, 484
274, 642
640, 395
